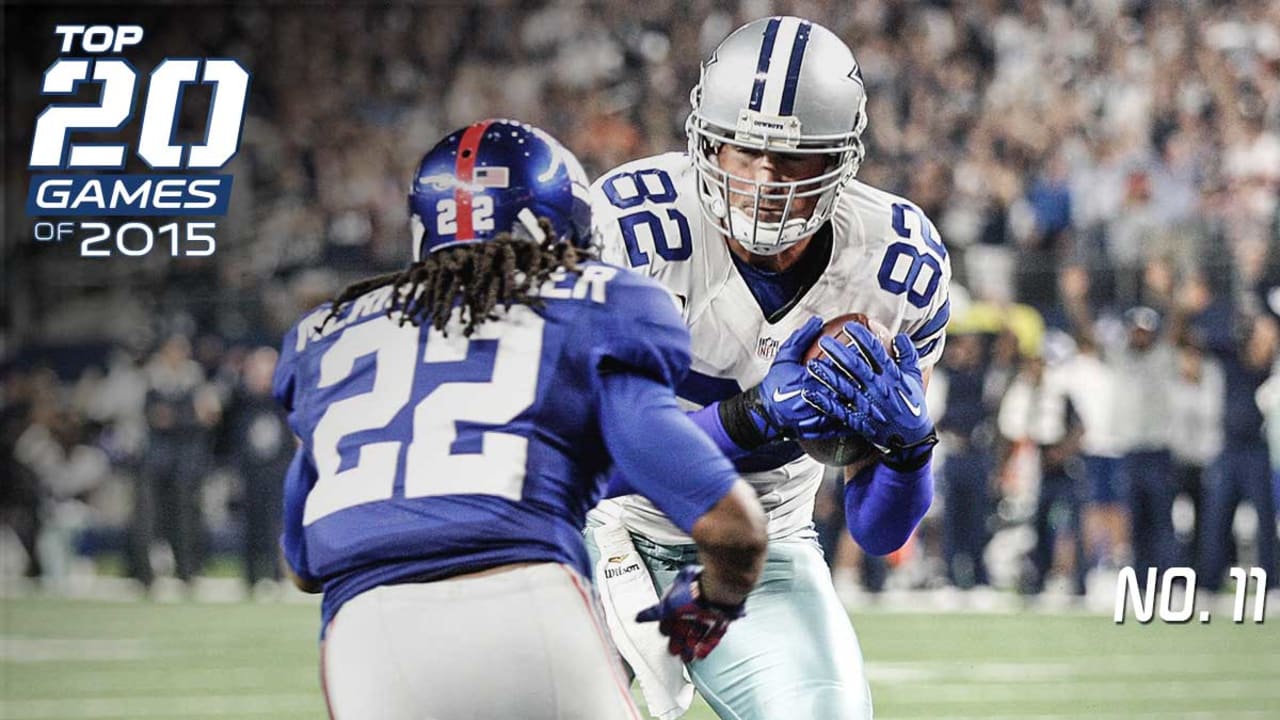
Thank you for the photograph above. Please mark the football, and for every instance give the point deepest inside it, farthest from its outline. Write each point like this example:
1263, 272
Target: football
851, 448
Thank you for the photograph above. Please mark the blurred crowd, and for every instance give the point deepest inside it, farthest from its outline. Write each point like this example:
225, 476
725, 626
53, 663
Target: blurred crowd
159, 460
1099, 169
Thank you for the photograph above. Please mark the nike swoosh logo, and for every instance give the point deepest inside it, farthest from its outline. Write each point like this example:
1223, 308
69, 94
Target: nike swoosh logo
915, 409
783, 397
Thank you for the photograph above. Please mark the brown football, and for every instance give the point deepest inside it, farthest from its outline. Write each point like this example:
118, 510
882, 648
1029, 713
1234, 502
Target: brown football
847, 449
835, 328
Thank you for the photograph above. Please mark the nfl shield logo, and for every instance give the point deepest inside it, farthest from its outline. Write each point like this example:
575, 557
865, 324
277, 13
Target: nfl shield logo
767, 347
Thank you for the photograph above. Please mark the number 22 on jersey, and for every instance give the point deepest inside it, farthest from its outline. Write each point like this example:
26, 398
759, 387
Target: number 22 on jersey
440, 416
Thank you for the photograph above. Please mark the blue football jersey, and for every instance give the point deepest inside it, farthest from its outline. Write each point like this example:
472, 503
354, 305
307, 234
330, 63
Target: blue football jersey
427, 455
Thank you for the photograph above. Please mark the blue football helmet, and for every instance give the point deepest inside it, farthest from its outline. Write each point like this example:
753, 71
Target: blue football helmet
497, 177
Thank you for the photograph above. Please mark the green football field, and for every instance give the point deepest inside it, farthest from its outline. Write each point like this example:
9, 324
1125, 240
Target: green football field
71, 659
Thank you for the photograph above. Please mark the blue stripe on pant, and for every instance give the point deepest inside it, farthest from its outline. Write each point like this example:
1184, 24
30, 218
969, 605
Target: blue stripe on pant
794, 655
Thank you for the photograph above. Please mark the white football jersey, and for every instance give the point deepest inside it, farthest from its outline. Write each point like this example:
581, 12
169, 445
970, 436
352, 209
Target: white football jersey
887, 261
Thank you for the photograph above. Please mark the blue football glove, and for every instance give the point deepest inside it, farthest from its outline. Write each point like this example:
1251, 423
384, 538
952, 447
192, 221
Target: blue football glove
879, 398
782, 406
693, 625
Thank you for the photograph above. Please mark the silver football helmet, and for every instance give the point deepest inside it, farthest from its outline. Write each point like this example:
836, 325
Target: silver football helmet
783, 85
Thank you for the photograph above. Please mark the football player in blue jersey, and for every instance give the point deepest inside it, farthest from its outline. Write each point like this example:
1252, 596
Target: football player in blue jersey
456, 420
760, 228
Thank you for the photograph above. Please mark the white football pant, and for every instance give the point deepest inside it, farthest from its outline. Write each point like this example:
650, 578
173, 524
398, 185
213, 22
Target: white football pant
526, 643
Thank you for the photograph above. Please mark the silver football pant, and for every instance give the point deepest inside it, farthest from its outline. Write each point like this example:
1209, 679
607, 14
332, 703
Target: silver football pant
525, 643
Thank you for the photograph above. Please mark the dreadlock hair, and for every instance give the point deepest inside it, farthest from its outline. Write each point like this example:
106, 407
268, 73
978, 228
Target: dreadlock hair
477, 277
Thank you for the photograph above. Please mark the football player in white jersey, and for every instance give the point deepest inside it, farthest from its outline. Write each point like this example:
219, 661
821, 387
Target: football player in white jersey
758, 230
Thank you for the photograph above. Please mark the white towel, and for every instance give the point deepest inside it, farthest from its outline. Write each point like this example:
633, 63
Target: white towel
625, 589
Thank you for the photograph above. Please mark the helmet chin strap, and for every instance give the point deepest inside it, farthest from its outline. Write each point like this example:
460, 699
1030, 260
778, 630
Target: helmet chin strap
761, 238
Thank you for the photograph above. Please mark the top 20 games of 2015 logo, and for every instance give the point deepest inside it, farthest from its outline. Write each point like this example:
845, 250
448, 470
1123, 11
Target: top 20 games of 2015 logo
87, 180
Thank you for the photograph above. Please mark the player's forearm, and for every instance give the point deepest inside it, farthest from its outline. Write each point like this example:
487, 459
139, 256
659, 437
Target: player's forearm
732, 541
883, 506
710, 420
659, 451
707, 420
668, 460
739, 425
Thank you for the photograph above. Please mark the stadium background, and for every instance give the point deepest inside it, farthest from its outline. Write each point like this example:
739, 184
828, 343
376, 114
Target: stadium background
1094, 154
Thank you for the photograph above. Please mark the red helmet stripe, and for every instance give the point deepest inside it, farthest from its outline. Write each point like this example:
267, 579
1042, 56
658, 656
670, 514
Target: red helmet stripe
464, 168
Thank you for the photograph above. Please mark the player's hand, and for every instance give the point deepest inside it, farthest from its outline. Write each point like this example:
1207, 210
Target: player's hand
880, 398
783, 404
693, 625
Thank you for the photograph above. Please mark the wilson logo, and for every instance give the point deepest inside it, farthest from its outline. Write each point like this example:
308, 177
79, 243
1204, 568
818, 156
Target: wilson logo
612, 572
